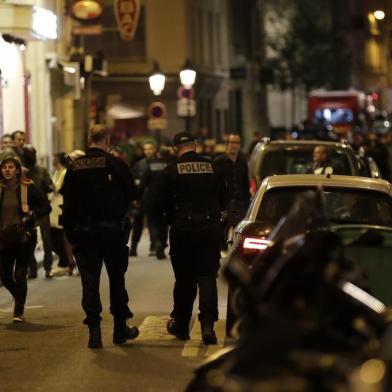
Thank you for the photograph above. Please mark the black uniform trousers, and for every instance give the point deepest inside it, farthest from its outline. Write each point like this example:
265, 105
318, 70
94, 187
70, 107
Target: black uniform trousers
195, 255
97, 246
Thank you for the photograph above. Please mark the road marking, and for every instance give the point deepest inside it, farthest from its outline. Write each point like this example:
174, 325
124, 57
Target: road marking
195, 348
153, 328
11, 310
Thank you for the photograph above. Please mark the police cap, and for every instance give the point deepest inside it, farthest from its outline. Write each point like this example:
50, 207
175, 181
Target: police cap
182, 137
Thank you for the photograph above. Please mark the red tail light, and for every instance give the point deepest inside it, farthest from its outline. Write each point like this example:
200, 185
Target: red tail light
252, 185
253, 245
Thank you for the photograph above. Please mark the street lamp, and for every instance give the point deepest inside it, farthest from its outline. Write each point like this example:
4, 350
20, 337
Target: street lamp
157, 80
187, 75
188, 78
379, 14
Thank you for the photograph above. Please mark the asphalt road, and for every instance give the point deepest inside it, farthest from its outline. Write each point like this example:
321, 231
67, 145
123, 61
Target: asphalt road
49, 351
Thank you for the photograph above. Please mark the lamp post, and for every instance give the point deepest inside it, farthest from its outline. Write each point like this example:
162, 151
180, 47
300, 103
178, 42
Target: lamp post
188, 78
157, 84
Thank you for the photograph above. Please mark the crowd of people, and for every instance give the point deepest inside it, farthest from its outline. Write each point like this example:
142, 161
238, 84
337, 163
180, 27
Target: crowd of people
199, 189
31, 197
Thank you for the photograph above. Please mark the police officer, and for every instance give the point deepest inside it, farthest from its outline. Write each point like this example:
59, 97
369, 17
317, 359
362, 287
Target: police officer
193, 199
98, 190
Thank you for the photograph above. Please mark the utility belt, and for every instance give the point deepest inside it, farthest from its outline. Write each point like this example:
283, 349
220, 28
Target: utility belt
192, 219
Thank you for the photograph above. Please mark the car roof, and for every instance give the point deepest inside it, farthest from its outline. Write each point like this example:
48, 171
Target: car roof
289, 143
314, 180
292, 180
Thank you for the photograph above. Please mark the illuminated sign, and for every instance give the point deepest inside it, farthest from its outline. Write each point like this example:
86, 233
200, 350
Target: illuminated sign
86, 9
44, 23
127, 15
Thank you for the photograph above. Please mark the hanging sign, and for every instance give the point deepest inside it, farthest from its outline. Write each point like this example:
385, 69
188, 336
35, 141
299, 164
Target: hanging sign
127, 15
86, 10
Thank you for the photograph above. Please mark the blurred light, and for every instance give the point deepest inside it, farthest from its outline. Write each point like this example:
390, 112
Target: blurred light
379, 14
375, 96
256, 243
372, 371
387, 124
364, 297
157, 80
70, 70
22, 47
371, 109
44, 23
188, 75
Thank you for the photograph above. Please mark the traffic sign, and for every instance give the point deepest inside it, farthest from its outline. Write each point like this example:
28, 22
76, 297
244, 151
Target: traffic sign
186, 107
156, 123
185, 93
156, 110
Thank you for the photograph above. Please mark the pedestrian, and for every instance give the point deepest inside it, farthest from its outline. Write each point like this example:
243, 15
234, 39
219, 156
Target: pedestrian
41, 178
139, 172
18, 141
150, 187
321, 162
233, 167
98, 190
21, 203
66, 263
193, 197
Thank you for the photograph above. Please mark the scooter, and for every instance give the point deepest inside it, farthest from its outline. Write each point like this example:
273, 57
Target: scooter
306, 323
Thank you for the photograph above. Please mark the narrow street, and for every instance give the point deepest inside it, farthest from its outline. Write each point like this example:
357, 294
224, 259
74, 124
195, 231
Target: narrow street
49, 351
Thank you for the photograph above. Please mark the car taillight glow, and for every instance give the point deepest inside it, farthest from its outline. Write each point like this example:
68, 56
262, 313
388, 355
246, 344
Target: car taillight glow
252, 185
252, 245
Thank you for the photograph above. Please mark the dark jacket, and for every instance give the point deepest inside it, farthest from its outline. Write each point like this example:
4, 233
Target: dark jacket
38, 203
235, 175
98, 188
41, 178
193, 195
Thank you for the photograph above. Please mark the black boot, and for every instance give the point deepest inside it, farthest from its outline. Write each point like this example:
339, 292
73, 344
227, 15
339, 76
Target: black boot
207, 332
95, 340
133, 251
180, 329
122, 332
159, 251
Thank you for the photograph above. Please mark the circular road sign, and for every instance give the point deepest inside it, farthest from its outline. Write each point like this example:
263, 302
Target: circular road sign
157, 110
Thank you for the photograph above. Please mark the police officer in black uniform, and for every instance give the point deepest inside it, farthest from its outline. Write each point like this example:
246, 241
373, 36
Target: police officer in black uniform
193, 198
98, 190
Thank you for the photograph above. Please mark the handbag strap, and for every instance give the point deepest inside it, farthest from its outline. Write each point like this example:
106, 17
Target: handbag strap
23, 198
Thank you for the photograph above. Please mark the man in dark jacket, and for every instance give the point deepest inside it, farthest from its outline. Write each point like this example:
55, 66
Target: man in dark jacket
98, 190
193, 197
233, 167
44, 183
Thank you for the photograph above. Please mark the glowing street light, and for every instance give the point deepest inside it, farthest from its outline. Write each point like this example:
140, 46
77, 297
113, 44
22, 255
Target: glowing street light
157, 80
188, 75
379, 14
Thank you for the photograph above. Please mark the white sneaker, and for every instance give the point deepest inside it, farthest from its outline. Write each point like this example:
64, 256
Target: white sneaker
18, 319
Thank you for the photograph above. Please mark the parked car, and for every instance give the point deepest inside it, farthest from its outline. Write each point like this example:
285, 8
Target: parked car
296, 157
351, 205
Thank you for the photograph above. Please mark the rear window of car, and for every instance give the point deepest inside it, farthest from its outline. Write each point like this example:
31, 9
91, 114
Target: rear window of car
344, 206
294, 160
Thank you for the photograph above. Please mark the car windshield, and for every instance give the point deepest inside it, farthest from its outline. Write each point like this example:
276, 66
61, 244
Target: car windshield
344, 206
299, 160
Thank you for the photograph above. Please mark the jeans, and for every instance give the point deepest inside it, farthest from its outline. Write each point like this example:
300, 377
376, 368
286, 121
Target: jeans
17, 260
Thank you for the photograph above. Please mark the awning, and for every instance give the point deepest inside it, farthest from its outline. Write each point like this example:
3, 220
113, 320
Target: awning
122, 111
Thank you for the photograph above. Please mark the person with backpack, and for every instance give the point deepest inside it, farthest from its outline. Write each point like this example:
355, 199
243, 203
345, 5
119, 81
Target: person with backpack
21, 203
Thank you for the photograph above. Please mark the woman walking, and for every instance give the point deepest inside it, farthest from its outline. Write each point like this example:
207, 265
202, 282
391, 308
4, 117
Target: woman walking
21, 203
